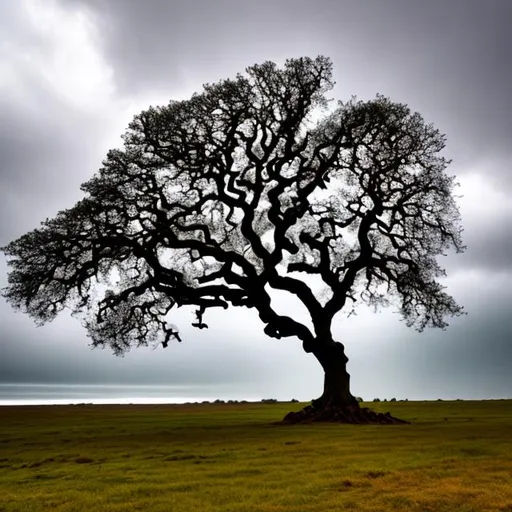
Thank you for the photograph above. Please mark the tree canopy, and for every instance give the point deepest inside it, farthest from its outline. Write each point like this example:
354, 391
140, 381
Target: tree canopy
242, 189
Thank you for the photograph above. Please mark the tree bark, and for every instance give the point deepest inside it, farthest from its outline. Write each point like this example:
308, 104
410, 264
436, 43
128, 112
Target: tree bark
337, 404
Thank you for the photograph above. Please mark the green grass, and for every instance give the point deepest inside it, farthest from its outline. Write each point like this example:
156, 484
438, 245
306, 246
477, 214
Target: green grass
454, 457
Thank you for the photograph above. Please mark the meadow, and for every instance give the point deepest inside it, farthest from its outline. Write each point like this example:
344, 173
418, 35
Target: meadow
453, 457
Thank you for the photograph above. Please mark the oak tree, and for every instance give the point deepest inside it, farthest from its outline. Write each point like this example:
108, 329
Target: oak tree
246, 188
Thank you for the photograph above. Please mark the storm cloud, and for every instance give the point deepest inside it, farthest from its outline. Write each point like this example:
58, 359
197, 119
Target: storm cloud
74, 72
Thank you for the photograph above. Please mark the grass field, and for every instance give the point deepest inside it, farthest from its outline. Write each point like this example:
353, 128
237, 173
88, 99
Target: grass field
455, 456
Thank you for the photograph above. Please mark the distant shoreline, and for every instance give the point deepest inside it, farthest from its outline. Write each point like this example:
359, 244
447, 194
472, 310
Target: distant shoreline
128, 404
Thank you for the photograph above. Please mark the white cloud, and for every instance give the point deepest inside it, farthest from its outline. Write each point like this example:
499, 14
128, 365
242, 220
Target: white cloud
483, 197
68, 59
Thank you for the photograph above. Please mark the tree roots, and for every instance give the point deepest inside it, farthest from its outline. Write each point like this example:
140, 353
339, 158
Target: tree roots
341, 414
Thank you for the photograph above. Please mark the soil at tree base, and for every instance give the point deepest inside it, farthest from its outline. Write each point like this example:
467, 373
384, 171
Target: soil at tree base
352, 414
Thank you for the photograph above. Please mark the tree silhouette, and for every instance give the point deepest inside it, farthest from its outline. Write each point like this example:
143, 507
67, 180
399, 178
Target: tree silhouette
241, 190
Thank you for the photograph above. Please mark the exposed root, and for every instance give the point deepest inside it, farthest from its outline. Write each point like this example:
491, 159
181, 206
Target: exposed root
341, 414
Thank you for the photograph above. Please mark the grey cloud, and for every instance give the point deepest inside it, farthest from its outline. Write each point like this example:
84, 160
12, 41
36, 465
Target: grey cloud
489, 248
446, 59
48, 150
158, 43
48, 145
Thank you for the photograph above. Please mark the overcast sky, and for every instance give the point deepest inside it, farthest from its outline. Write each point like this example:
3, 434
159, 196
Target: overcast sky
74, 72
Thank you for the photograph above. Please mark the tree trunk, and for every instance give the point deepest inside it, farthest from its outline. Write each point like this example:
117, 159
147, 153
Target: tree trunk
336, 378
337, 404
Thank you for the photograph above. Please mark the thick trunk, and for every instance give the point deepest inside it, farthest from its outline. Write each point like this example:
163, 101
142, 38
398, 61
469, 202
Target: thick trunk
333, 360
336, 403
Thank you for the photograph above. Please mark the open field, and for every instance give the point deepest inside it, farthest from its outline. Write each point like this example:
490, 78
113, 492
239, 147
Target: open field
455, 456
